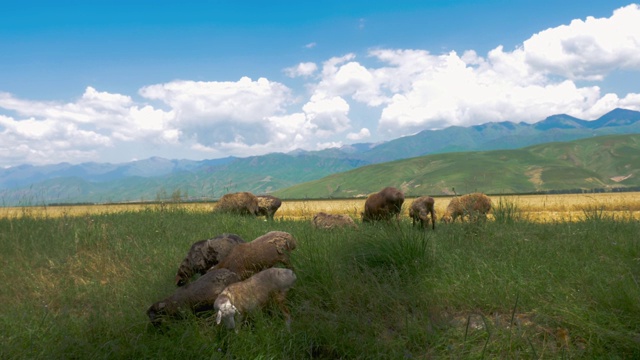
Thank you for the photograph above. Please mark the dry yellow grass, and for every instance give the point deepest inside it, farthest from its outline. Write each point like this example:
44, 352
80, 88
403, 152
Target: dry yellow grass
541, 208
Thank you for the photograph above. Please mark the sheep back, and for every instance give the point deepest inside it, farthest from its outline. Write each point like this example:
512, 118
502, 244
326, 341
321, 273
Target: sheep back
264, 252
204, 254
323, 220
254, 293
473, 205
243, 203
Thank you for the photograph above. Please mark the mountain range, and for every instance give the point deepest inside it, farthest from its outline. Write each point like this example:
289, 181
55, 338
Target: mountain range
157, 178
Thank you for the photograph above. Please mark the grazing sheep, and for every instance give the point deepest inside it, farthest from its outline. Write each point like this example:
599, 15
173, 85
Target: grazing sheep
264, 252
268, 205
383, 205
420, 210
253, 294
195, 297
474, 206
330, 221
243, 203
204, 254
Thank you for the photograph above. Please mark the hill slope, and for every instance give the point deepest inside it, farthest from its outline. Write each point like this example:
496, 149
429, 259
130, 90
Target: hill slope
158, 178
601, 162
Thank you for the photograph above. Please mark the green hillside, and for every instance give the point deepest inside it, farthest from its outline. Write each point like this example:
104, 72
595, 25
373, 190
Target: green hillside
599, 162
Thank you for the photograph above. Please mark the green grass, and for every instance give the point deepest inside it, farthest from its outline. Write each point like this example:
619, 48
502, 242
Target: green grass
78, 287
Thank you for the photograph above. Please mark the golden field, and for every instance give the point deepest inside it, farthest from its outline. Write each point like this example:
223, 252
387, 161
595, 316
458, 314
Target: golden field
540, 208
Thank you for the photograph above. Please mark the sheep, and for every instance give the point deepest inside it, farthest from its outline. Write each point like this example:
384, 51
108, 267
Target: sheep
264, 252
420, 209
383, 205
253, 294
472, 205
268, 205
243, 203
195, 297
204, 254
330, 221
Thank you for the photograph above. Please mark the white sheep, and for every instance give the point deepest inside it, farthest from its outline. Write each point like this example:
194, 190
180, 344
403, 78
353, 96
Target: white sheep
253, 294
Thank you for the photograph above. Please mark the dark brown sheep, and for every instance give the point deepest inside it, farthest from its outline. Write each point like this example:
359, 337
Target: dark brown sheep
204, 254
264, 252
268, 205
383, 205
473, 206
330, 221
253, 294
243, 203
420, 210
195, 297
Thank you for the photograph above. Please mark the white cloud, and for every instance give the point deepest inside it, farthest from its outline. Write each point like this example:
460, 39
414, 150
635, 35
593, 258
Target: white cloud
214, 113
328, 114
304, 69
364, 133
588, 49
417, 90
557, 70
310, 45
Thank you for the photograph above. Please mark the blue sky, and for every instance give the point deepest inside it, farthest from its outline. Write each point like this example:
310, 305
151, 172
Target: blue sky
115, 81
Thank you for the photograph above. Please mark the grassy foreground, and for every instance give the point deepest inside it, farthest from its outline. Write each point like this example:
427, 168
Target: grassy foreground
78, 287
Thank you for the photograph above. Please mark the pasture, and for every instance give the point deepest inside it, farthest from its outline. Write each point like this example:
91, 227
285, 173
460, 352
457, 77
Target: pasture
537, 208
554, 276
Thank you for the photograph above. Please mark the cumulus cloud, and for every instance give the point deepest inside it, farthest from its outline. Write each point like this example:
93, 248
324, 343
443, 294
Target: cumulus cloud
304, 69
556, 70
417, 90
328, 114
222, 112
588, 49
364, 133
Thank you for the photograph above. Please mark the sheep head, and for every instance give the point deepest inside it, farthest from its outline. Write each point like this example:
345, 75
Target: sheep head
226, 311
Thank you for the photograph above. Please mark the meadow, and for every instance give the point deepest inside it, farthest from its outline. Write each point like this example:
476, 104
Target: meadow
77, 283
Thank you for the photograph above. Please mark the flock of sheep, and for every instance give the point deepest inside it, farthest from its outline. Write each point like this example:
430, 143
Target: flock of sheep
237, 277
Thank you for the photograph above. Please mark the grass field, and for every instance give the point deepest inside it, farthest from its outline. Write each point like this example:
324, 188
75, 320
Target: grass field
77, 285
538, 208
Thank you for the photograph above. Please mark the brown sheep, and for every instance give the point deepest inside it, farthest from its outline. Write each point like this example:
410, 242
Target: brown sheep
204, 254
383, 205
420, 210
474, 206
268, 205
264, 252
195, 297
330, 221
243, 203
253, 294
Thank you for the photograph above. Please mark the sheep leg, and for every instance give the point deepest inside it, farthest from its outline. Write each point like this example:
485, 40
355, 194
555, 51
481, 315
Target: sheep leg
280, 299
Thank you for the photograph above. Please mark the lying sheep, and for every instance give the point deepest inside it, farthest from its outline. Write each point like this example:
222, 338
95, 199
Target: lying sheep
204, 254
195, 297
253, 294
474, 206
243, 203
420, 210
268, 205
264, 252
330, 221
